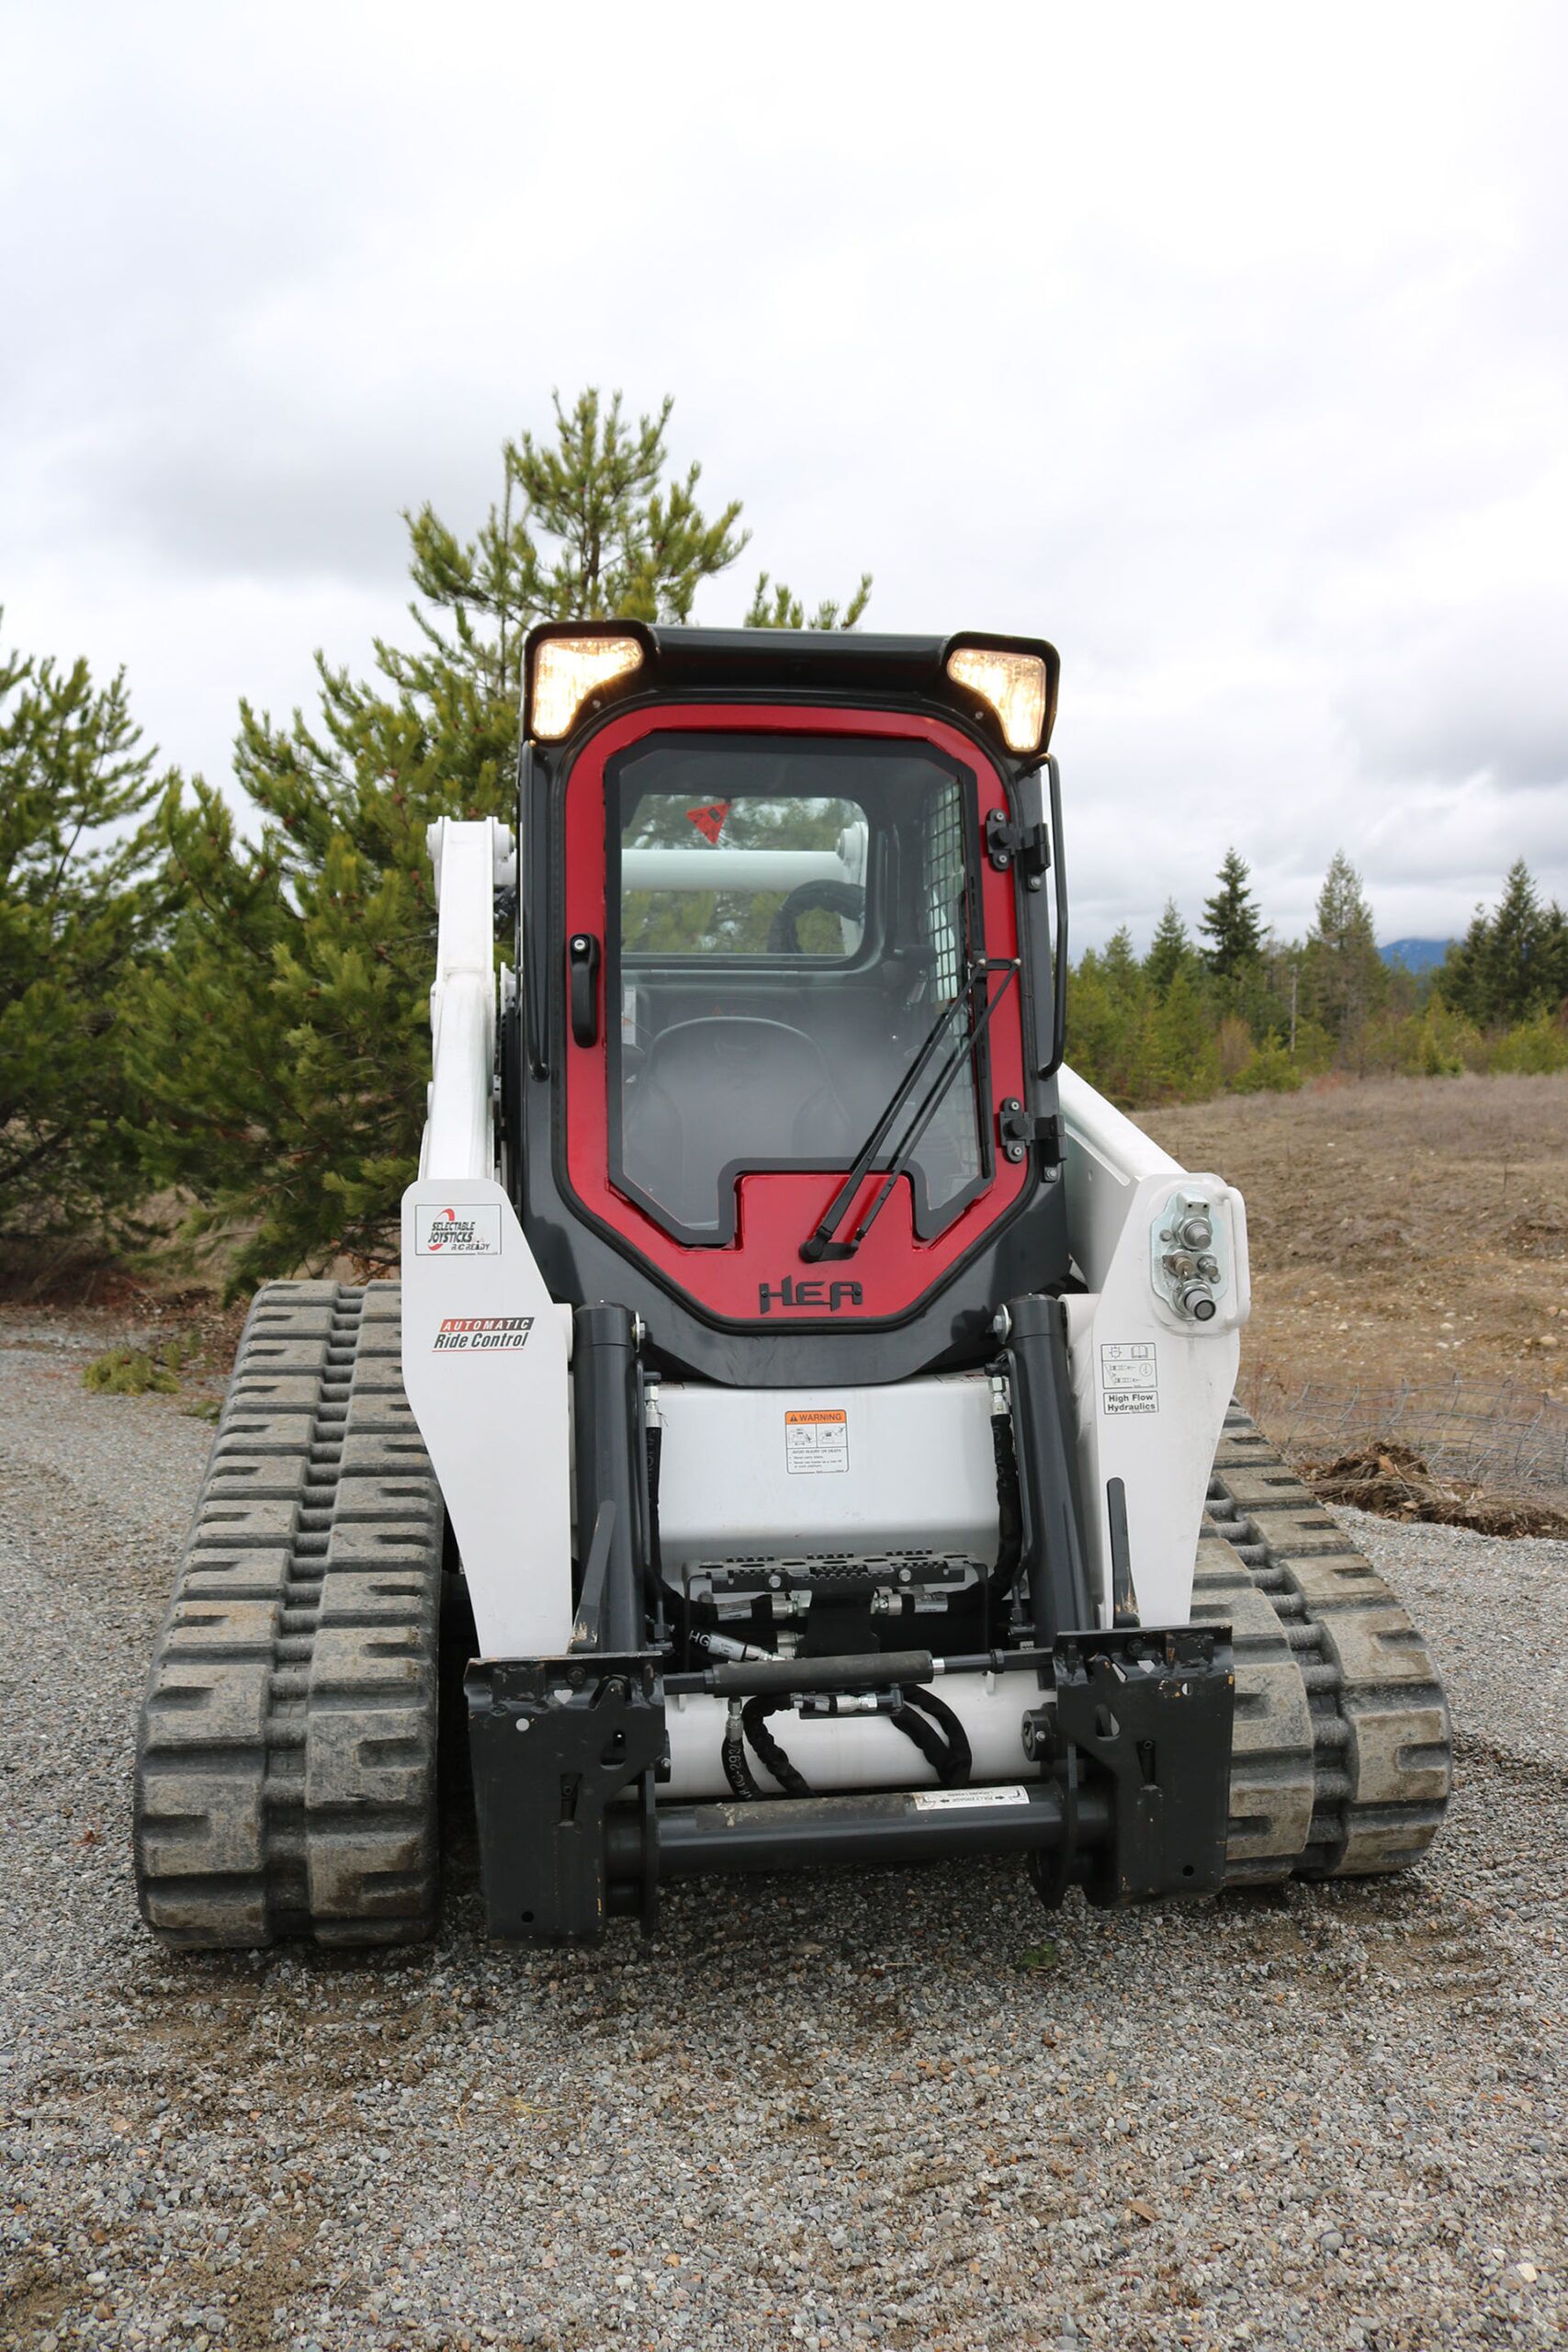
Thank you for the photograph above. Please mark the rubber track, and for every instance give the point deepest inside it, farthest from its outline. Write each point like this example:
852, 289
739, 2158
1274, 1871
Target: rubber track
1342, 1762
286, 1767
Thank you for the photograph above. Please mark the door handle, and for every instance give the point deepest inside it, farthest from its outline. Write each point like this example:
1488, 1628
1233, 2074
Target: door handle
582, 968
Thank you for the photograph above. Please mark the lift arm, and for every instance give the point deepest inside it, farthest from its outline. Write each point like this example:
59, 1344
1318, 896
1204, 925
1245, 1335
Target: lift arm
484, 1348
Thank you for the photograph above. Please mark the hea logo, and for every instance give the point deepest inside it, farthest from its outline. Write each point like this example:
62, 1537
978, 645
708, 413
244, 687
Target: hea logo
818, 1293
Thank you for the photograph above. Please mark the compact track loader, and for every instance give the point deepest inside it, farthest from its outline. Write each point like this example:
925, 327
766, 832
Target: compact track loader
822, 1395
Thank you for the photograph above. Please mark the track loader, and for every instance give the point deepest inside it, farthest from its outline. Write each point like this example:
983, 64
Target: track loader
820, 1395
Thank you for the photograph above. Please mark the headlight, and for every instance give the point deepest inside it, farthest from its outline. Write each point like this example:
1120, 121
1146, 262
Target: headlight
1014, 685
566, 672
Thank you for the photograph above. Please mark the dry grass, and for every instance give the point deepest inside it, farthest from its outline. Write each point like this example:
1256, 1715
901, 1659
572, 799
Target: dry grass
1409, 1229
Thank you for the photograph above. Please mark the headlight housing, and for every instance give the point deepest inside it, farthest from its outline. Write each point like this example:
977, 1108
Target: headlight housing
566, 670
1012, 684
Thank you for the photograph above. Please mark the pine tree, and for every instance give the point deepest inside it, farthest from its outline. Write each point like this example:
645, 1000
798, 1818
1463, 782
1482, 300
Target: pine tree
1121, 966
286, 1038
80, 913
1185, 1036
1343, 972
773, 605
1511, 965
589, 526
1230, 921
1170, 950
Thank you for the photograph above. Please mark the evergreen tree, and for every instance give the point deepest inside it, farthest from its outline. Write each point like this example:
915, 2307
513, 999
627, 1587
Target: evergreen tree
1121, 968
80, 913
1230, 921
775, 606
589, 526
1343, 972
1111, 1014
1513, 964
1170, 950
1189, 1067
287, 1039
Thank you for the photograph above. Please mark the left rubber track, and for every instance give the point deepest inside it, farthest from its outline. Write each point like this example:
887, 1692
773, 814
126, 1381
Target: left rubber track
287, 1758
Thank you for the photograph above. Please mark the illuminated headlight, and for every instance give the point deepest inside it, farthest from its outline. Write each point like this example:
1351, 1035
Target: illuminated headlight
1014, 685
566, 670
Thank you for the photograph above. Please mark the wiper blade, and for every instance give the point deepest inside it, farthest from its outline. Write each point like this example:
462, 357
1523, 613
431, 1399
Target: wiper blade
820, 1243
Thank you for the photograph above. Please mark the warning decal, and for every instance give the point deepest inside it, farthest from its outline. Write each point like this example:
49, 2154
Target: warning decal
473, 1231
1129, 1377
482, 1334
816, 1442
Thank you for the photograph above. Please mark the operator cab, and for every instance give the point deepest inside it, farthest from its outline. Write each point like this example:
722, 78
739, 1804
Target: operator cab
780, 948
796, 1071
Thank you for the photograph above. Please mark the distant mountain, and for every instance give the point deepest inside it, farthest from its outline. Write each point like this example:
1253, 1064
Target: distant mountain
1415, 955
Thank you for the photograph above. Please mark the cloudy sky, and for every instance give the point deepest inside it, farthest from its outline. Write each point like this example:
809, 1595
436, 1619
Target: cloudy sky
1226, 346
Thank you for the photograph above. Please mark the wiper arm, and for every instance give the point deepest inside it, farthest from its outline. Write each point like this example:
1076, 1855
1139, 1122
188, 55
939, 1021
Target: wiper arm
819, 1243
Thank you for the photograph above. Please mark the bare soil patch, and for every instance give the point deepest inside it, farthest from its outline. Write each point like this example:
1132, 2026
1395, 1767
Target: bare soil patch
1405, 1234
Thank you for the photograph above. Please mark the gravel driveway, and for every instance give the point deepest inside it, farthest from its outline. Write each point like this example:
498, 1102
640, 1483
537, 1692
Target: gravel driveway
911, 2110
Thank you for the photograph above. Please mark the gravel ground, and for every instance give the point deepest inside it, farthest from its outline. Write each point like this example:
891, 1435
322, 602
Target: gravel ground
910, 2110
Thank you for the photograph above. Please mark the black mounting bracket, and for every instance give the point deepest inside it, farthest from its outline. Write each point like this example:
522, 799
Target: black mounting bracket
1017, 1125
1155, 1711
1026, 846
553, 1744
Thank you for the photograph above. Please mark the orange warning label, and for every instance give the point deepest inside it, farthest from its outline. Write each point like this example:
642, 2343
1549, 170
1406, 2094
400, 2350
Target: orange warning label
816, 1441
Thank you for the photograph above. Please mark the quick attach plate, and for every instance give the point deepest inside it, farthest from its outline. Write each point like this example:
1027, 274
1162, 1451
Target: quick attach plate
553, 1742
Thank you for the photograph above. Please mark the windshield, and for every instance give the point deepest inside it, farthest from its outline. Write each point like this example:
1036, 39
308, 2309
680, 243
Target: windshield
787, 919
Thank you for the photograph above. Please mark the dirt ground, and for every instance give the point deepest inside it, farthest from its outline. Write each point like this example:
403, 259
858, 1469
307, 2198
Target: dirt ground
1410, 1230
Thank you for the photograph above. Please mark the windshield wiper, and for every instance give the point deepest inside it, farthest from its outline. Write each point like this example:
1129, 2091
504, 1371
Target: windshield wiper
819, 1242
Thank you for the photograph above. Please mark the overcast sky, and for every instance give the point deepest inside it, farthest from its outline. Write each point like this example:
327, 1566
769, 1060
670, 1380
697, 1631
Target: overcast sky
1225, 346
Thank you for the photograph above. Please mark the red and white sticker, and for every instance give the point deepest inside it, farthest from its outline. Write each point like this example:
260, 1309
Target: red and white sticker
466, 1230
477, 1335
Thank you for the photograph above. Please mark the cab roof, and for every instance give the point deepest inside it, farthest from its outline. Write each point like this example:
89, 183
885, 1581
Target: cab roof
681, 661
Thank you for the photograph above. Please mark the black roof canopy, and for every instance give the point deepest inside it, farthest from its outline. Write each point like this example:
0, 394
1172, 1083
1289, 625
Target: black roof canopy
680, 661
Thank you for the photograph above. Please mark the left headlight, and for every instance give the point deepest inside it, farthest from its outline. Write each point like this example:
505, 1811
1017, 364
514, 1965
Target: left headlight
566, 670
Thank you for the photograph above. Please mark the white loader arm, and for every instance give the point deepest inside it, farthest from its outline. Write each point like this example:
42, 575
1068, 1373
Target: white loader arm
1154, 1342
471, 861
485, 1349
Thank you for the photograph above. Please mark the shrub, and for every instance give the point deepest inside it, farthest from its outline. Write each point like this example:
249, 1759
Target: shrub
1533, 1048
1271, 1070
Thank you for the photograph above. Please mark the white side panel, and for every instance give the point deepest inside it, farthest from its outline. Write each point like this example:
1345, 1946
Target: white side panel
1150, 1384
485, 1369
855, 1751
907, 1466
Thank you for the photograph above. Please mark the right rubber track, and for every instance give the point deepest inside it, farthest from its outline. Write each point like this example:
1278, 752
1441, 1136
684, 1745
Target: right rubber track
1342, 1757
286, 1768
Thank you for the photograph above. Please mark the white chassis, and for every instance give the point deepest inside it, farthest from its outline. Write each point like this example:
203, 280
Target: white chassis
486, 1364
